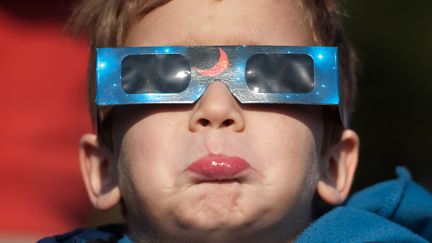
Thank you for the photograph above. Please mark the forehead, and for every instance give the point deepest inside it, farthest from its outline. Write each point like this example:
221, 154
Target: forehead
222, 22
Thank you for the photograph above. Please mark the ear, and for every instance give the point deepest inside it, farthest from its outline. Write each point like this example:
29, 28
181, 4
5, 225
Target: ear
338, 168
99, 173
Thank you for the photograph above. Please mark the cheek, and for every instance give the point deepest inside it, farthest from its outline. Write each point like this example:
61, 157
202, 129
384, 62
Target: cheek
150, 160
153, 141
287, 153
283, 141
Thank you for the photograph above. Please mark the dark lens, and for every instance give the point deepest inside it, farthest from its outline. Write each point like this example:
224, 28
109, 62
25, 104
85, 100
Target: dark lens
280, 73
155, 73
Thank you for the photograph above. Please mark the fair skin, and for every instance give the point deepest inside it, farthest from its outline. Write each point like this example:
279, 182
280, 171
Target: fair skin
155, 144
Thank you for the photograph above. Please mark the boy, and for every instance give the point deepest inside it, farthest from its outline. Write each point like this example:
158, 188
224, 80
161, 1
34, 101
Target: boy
194, 154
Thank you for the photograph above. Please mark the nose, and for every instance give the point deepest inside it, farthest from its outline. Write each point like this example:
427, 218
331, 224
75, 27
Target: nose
217, 109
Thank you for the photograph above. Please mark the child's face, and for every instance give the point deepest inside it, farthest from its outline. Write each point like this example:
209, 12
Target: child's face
156, 144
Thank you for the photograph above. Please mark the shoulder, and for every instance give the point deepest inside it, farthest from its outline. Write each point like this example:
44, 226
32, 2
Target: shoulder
106, 233
397, 210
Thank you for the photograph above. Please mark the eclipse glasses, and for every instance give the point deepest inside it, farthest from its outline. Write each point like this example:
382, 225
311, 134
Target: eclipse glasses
254, 74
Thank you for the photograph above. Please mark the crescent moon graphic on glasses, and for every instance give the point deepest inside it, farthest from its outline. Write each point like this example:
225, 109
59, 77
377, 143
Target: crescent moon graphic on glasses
218, 68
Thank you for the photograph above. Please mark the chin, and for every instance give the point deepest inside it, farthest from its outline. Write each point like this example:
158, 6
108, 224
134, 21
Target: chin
213, 207
226, 229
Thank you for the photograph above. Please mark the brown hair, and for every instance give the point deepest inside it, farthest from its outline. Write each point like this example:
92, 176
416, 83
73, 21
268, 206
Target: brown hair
107, 22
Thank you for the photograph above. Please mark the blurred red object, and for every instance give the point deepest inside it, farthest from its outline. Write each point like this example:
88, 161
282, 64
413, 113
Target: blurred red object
43, 114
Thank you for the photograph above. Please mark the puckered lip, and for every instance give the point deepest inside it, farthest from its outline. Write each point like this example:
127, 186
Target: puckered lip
218, 168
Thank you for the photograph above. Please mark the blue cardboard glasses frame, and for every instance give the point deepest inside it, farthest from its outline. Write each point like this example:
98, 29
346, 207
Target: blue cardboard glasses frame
306, 75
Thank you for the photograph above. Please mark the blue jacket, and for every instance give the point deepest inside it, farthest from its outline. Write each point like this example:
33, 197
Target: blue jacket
392, 211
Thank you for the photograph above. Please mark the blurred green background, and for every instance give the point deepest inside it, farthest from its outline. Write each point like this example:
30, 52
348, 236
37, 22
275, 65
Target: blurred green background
394, 110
